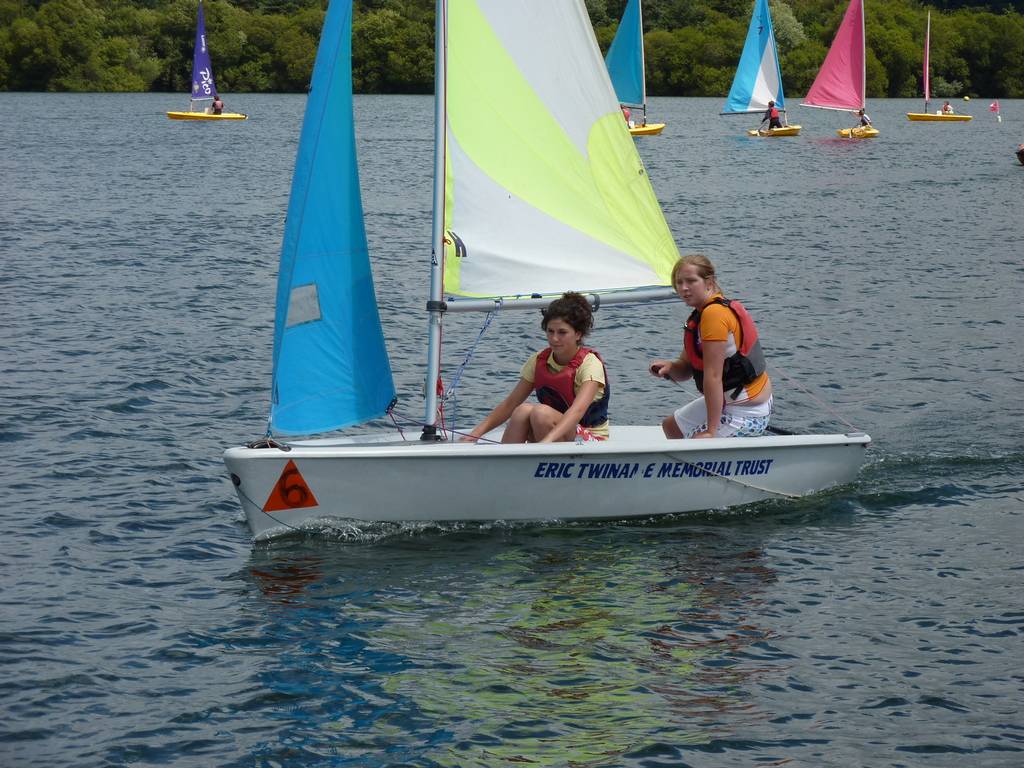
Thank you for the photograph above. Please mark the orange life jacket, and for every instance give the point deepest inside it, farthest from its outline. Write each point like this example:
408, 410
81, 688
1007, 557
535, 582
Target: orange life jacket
741, 368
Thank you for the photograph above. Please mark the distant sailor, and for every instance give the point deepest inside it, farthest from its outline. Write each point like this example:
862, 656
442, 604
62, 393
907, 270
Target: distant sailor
570, 381
722, 354
628, 115
947, 108
865, 121
218, 105
771, 116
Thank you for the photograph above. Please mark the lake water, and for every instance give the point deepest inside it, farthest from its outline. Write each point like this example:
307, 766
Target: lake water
879, 624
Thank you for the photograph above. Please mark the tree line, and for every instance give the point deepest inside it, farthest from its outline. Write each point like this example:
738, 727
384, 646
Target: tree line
692, 46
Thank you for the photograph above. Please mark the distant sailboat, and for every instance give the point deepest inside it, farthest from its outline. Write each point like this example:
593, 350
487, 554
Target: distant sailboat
841, 83
940, 116
203, 87
758, 78
625, 62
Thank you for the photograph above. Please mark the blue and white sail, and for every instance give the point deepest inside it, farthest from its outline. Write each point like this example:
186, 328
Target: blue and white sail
758, 78
625, 58
203, 86
331, 367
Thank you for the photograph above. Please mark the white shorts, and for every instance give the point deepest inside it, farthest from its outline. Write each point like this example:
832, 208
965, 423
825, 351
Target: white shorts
738, 419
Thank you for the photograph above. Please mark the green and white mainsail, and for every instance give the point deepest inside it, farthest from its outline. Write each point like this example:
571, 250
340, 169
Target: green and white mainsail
538, 187
544, 191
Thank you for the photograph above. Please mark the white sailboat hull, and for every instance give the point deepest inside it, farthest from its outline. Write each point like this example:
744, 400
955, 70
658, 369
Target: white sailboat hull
637, 472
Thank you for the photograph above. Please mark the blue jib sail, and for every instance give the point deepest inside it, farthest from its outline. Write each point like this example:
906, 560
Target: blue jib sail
331, 368
202, 71
758, 77
625, 59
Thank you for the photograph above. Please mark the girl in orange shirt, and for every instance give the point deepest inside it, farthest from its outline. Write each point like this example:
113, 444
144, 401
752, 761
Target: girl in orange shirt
722, 353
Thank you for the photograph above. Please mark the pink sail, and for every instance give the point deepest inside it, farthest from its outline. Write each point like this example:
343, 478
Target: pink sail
840, 83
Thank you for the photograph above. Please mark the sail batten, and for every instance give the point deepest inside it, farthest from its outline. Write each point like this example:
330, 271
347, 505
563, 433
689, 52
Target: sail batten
330, 367
544, 189
840, 83
758, 77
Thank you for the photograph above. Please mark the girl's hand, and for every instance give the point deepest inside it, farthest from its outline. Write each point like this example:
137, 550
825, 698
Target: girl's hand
702, 434
662, 369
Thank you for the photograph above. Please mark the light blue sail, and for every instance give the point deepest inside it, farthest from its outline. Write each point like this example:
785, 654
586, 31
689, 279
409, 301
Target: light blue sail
625, 59
331, 368
758, 78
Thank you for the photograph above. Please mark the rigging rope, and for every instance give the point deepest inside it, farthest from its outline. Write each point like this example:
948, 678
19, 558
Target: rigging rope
810, 394
449, 393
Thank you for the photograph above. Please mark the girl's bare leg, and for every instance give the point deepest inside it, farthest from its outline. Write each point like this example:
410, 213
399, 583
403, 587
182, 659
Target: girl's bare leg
543, 419
518, 428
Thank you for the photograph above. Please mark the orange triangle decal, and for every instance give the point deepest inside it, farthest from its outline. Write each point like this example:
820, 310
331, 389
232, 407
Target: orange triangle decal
290, 491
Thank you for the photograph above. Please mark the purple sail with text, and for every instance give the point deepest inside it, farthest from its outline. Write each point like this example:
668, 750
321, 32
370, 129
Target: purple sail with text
202, 71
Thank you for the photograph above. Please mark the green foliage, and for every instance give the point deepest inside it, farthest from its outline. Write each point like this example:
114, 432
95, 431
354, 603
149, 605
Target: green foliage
392, 53
692, 45
789, 32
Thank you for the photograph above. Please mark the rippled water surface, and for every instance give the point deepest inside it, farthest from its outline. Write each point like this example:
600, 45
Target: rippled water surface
878, 624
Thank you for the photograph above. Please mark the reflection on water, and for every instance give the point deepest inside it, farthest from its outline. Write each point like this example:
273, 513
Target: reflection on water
286, 581
540, 653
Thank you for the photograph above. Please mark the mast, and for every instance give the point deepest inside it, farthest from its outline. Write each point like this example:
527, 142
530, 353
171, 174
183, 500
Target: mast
863, 60
643, 57
435, 304
927, 46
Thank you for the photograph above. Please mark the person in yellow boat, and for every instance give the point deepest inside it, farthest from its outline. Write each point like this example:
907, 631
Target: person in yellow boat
947, 108
865, 121
771, 116
628, 115
722, 354
218, 106
570, 381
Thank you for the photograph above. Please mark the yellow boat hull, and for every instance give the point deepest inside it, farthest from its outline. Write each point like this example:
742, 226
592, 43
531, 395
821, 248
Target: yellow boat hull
651, 129
204, 116
786, 130
918, 117
860, 132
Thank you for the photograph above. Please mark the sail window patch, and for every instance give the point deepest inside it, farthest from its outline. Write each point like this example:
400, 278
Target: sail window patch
303, 305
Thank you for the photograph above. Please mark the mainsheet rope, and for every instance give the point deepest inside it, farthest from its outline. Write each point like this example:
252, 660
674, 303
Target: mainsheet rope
838, 416
825, 406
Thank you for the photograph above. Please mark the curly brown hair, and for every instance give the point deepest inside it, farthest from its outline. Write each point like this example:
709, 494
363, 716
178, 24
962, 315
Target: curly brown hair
573, 308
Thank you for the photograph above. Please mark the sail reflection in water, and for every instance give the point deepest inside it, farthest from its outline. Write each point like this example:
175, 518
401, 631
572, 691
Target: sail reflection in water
537, 653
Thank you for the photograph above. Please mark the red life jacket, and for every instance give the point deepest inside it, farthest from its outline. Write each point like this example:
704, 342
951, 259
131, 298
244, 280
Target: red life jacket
741, 368
557, 390
774, 114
